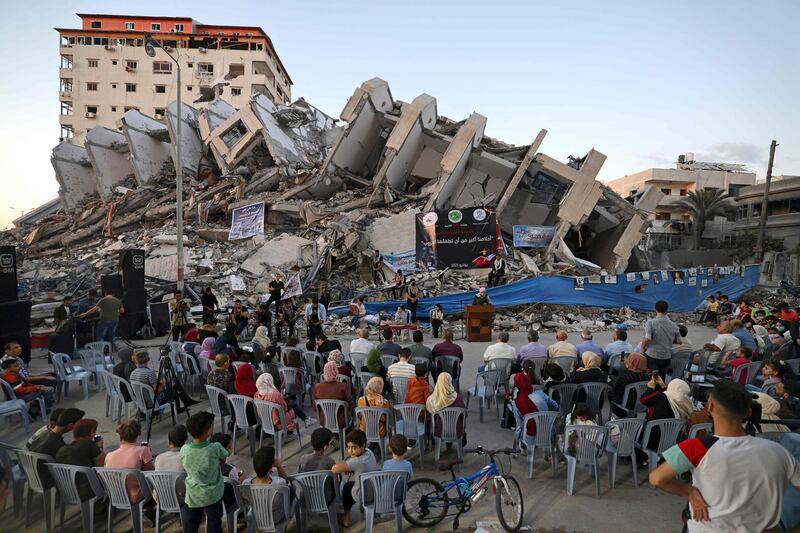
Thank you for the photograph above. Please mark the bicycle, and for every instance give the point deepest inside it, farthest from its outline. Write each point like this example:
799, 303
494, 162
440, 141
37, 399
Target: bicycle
428, 501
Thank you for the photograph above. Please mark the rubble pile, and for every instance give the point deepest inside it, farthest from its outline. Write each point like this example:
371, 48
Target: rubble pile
334, 191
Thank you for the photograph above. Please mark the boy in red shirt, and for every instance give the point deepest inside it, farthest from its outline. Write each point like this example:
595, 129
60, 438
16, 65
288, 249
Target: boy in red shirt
734, 361
22, 388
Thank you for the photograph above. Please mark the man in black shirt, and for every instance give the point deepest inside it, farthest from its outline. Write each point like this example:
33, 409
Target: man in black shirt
124, 368
324, 344
210, 304
84, 450
275, 290
52, 441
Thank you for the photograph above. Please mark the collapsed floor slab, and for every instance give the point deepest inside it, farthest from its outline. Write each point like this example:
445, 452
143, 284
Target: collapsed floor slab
108, 151
74, 173
148, 141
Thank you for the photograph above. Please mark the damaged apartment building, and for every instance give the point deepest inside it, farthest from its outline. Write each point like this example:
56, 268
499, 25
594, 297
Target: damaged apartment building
331, 187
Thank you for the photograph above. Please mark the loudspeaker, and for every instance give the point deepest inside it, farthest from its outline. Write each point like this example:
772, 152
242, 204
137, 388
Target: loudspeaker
130, 324
135, 302
61, 343
113, 283
159, 317
8, 273
131, 264
15, 325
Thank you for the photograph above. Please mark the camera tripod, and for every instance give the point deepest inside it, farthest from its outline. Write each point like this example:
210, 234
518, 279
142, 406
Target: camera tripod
167, 371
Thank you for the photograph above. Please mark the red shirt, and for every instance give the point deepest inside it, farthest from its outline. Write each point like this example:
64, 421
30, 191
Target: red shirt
448, 348
17, 383
789, 315
736, 363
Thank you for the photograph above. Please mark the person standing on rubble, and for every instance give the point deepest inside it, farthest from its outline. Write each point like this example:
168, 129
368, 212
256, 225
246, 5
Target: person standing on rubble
399, 282
377, 268
412, 299
286, 318
177, 311
497, 272
62, 315
210, 304
275, 291
315, 314
239, 316
110, 308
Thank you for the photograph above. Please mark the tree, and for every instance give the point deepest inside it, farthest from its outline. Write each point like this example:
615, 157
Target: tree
704, 205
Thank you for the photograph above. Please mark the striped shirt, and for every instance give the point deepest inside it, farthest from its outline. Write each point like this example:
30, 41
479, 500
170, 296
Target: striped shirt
400, 369
144, 374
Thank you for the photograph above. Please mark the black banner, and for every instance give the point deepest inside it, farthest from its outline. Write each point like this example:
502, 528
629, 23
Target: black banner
8, 274
457, 238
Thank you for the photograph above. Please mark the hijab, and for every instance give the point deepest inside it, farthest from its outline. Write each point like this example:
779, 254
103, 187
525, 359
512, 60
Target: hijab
244, 382
554, 373
207, 348
373, 363
636, 362
524, 387
266, 384
678, 395
336, 356
373, 392
329, 372
444, 394
590, 361
261, 337
769, 411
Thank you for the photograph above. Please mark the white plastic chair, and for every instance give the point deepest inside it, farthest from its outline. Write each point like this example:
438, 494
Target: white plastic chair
636, 389
145, 397
218, 397
310, 488
750, 371
239, 403
629, 429
112, 395
29, 462
450, 364
113, 481
399, 389
312, 360
103, 347
409, 424
545, 423
486, 392
449, 421
14, 405
388, 360
566, 362
708, 427
372, 425
589, 445
504, 366
383, 493
67, 374
121, 384
193, 372
669, 430
264, 412
327, 414
93, 362
64, 478
260, 499
163, 485
565, 392
594, 397
15, 476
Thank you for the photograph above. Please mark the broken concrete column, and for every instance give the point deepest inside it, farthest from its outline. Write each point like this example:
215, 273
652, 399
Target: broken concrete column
148, 141
108, 151
74, 173
192, 149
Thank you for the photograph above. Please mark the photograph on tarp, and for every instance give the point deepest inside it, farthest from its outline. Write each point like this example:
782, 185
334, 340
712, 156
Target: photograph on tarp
457, 238
533, 236
247, 221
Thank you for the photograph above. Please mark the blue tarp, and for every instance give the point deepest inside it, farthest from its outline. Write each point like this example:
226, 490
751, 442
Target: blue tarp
561, 290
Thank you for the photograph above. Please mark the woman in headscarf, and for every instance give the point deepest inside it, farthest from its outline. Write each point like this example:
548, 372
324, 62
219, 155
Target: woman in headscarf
373, 365
207, 348
341, 368
523, 405
244, 383
330, 389
590, 372
671, 401
268, 392
769, 411
444, 395
373, 397
635, 371
552, 375
261, 337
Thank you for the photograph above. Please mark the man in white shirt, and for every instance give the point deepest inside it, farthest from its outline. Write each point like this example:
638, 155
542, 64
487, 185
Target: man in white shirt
402, 368
723, 343
738, 481
362, 344
500, 350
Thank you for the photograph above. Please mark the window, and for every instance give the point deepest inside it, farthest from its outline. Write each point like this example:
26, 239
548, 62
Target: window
162, 67
66, 85
667, 191
130, 87
662, 216
95, 25
236, 34
130, 26
66, 61
234, 134
67, 42
189, 88
633, 192
113, 85
91, 86
91, 109
178, 27
155, 26
113, 61
66, 108
129, 108
159, 112
683, 192
205, 68
236, 91
190, 65
741, 212
66, 131
161, 89
92, 63
113, 109
130, 65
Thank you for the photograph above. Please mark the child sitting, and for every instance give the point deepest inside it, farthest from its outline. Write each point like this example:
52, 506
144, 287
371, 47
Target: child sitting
360, 462
398, 445
418, 386
317, 460
734, 360
582, 415
170, 460
263, 462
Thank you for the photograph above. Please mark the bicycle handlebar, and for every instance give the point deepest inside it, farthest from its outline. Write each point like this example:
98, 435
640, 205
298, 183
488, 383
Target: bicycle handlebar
480, 451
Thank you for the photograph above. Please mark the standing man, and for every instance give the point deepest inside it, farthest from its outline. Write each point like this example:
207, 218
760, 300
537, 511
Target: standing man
660, 333
177, 310
210, 304
738, 481
315, 314
497, 272
399, 282
412, 299
377, 268
275, 290
63, 313
110, 308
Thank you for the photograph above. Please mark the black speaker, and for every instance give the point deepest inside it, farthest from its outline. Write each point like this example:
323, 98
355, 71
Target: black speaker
8, 274
113, 283
131, 264
130, 324
135, 302
15, 325
159, 317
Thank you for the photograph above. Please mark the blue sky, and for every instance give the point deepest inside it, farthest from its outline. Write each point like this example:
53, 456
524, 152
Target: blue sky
639, 81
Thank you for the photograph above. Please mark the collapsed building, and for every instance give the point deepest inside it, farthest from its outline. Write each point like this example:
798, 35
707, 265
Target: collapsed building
334, 191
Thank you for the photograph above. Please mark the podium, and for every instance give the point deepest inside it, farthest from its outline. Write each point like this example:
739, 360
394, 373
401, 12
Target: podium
479, 320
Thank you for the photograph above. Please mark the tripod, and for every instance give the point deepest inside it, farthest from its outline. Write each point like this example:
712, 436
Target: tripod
167, 371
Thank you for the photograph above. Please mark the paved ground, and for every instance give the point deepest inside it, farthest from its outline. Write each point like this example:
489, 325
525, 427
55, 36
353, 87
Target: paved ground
547, 506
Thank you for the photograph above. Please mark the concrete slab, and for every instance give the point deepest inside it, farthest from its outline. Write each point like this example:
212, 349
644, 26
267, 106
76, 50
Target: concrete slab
109, 153
282, 252
74, 173
148, 141
192, 149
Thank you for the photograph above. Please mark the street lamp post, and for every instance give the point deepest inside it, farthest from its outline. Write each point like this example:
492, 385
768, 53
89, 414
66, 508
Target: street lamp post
149, 46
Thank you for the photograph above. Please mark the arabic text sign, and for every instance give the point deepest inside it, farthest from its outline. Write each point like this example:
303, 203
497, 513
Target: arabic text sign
247, 221
533, 236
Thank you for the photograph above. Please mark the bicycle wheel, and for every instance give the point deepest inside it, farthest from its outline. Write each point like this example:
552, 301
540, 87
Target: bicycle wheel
426, 502
509, 504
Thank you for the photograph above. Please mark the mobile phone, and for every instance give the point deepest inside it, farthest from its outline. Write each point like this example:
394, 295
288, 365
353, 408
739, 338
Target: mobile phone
98, 438
654, 375
698, 378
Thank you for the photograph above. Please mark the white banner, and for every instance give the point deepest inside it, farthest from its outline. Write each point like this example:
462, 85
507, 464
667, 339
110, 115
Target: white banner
292, 288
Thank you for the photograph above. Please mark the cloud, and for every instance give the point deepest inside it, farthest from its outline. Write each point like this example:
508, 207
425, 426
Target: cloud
660, 159
730, 152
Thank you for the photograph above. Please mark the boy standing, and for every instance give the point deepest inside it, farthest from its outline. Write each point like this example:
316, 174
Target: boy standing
317, 460
204, 484
398, 444
360, 462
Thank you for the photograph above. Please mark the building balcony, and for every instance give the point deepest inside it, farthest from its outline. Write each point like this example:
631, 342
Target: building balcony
671, 200
785, 219
65, 95
65, 72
